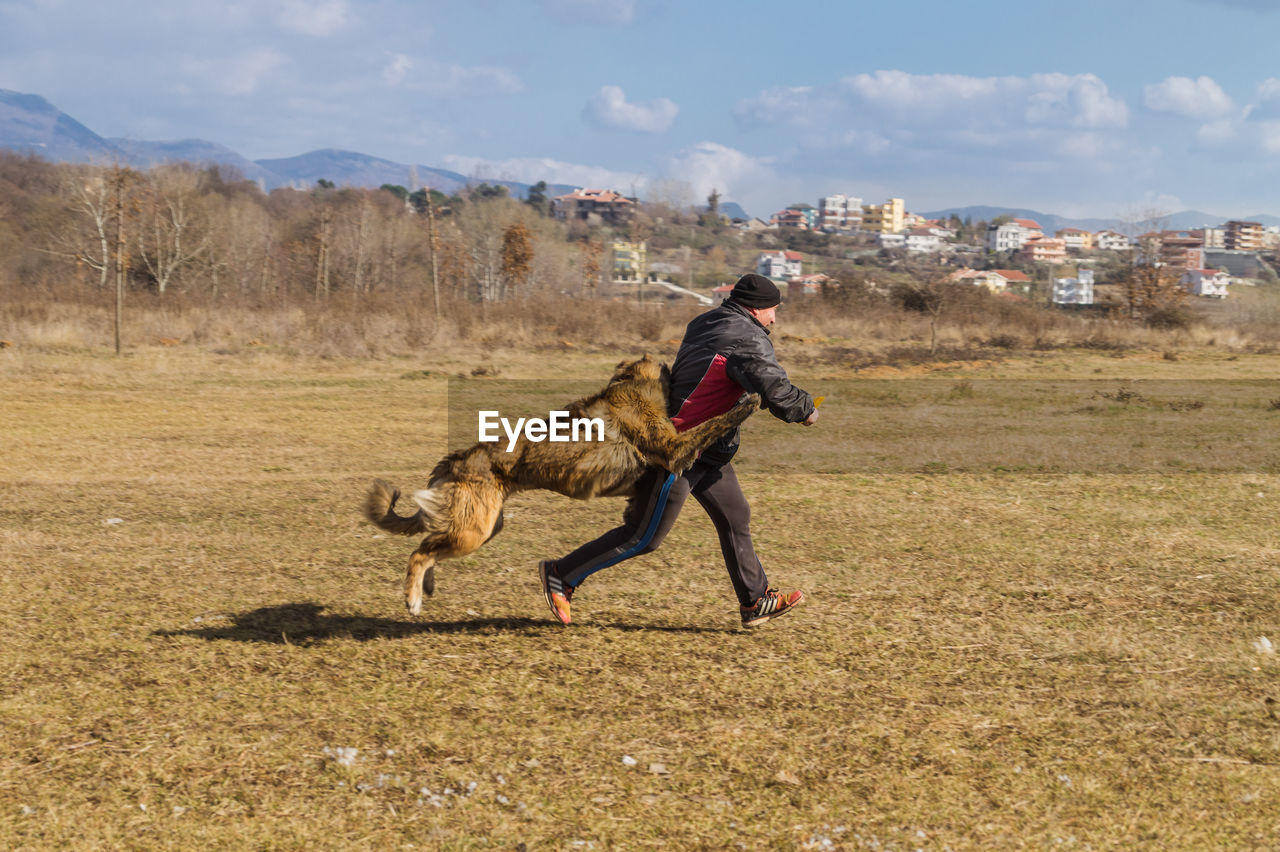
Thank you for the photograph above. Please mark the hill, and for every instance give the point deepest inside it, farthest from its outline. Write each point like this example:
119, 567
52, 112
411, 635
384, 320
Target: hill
30, 124
197, 151
1183, 220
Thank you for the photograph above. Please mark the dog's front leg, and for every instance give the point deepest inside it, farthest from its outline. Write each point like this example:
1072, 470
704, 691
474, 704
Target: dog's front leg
685, 448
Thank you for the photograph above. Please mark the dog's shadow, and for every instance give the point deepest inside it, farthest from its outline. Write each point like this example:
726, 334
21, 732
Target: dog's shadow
305, 623
302, 623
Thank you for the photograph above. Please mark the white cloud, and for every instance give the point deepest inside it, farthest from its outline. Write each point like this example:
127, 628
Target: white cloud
313, 18
610, 108
709, 165
593, 11
1201, 98
237, 75
534, 169
458, 81
891, 103
397, 69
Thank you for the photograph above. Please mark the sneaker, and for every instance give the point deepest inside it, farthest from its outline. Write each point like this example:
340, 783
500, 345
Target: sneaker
770, 605
557, 591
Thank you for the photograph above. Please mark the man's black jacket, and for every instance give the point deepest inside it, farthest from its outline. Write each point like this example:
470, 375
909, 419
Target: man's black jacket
726, 352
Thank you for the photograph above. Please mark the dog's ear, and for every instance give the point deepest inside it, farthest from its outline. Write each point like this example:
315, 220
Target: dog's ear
625, 370
664, 376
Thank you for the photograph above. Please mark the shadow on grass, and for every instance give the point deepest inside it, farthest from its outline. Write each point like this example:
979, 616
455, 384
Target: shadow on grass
303, 623
300, 623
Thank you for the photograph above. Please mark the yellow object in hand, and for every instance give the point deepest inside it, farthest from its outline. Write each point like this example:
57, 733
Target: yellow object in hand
817, 400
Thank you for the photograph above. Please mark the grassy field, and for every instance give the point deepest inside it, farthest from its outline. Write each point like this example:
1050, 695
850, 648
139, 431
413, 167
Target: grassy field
202, 644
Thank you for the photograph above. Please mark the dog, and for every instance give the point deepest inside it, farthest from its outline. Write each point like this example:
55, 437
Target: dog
461, 507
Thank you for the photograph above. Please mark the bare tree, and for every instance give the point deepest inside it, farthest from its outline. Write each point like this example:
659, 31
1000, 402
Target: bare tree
174, 234
927, 290
86, 237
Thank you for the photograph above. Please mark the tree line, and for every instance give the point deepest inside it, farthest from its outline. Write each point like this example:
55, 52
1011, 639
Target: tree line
207, 231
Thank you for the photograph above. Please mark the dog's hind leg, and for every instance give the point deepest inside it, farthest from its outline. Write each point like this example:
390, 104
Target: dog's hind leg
420, 577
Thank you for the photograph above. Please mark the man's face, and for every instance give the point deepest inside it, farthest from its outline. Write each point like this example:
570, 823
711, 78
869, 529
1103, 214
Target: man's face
766, 316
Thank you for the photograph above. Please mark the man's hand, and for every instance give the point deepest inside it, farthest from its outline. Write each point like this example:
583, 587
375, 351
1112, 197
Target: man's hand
812, 418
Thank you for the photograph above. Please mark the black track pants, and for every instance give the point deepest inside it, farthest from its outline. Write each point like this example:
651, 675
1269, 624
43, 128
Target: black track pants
652, 513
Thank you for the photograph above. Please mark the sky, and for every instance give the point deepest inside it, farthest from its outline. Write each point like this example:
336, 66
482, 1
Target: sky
1101, 109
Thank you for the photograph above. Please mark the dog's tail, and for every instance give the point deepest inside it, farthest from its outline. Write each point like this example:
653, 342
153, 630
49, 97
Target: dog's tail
379, 508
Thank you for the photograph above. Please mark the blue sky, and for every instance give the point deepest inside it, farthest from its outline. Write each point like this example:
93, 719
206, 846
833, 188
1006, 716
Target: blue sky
1083, 109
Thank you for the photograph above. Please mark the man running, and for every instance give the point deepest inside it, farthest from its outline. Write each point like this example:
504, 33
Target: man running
726, 352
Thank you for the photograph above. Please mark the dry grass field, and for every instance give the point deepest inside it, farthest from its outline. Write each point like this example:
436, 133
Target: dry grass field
1007, 644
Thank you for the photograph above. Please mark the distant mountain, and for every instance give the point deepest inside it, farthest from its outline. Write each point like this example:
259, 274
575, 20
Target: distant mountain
1182, 221
733, 210
1048, 221
144, 155
30, 124
349, 168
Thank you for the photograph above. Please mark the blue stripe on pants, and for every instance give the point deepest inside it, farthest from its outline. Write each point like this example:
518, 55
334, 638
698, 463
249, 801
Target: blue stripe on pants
659, 505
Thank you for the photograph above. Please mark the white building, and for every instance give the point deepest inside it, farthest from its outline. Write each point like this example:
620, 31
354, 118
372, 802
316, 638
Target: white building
892, 240
1074, 291
1012, 235
921, 240
778, 264
1206, 282
839, 213
1110, 241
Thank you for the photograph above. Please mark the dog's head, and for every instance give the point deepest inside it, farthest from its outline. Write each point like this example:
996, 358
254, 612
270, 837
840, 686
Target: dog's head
641, 370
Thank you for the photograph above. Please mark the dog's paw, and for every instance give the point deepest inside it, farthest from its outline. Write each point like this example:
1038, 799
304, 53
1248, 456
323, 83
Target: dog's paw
413, 603
744, 409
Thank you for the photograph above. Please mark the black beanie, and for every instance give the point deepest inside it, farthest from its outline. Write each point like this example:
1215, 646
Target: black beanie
755, 291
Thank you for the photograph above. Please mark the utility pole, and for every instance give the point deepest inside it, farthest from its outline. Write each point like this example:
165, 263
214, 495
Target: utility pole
433, 245
119, 180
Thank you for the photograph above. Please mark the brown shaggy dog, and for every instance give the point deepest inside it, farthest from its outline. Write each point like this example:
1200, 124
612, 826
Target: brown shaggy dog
461, 507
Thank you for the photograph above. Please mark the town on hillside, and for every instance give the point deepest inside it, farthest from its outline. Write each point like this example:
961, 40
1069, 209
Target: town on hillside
1206, 261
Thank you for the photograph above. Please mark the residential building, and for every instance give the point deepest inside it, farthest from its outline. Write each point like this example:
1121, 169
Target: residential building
1171, 248
995, 280
884, 218
630, 261
1075, 238
1044, 250
611, 207
800, 216
1242, 236
891, 241
922, 240
840, 213
1074, 291
722, 292
782, 265
1111, 241
791, 218
911, 221
1210, 238
807, 285
940, 229
1011, 235
1206, 282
